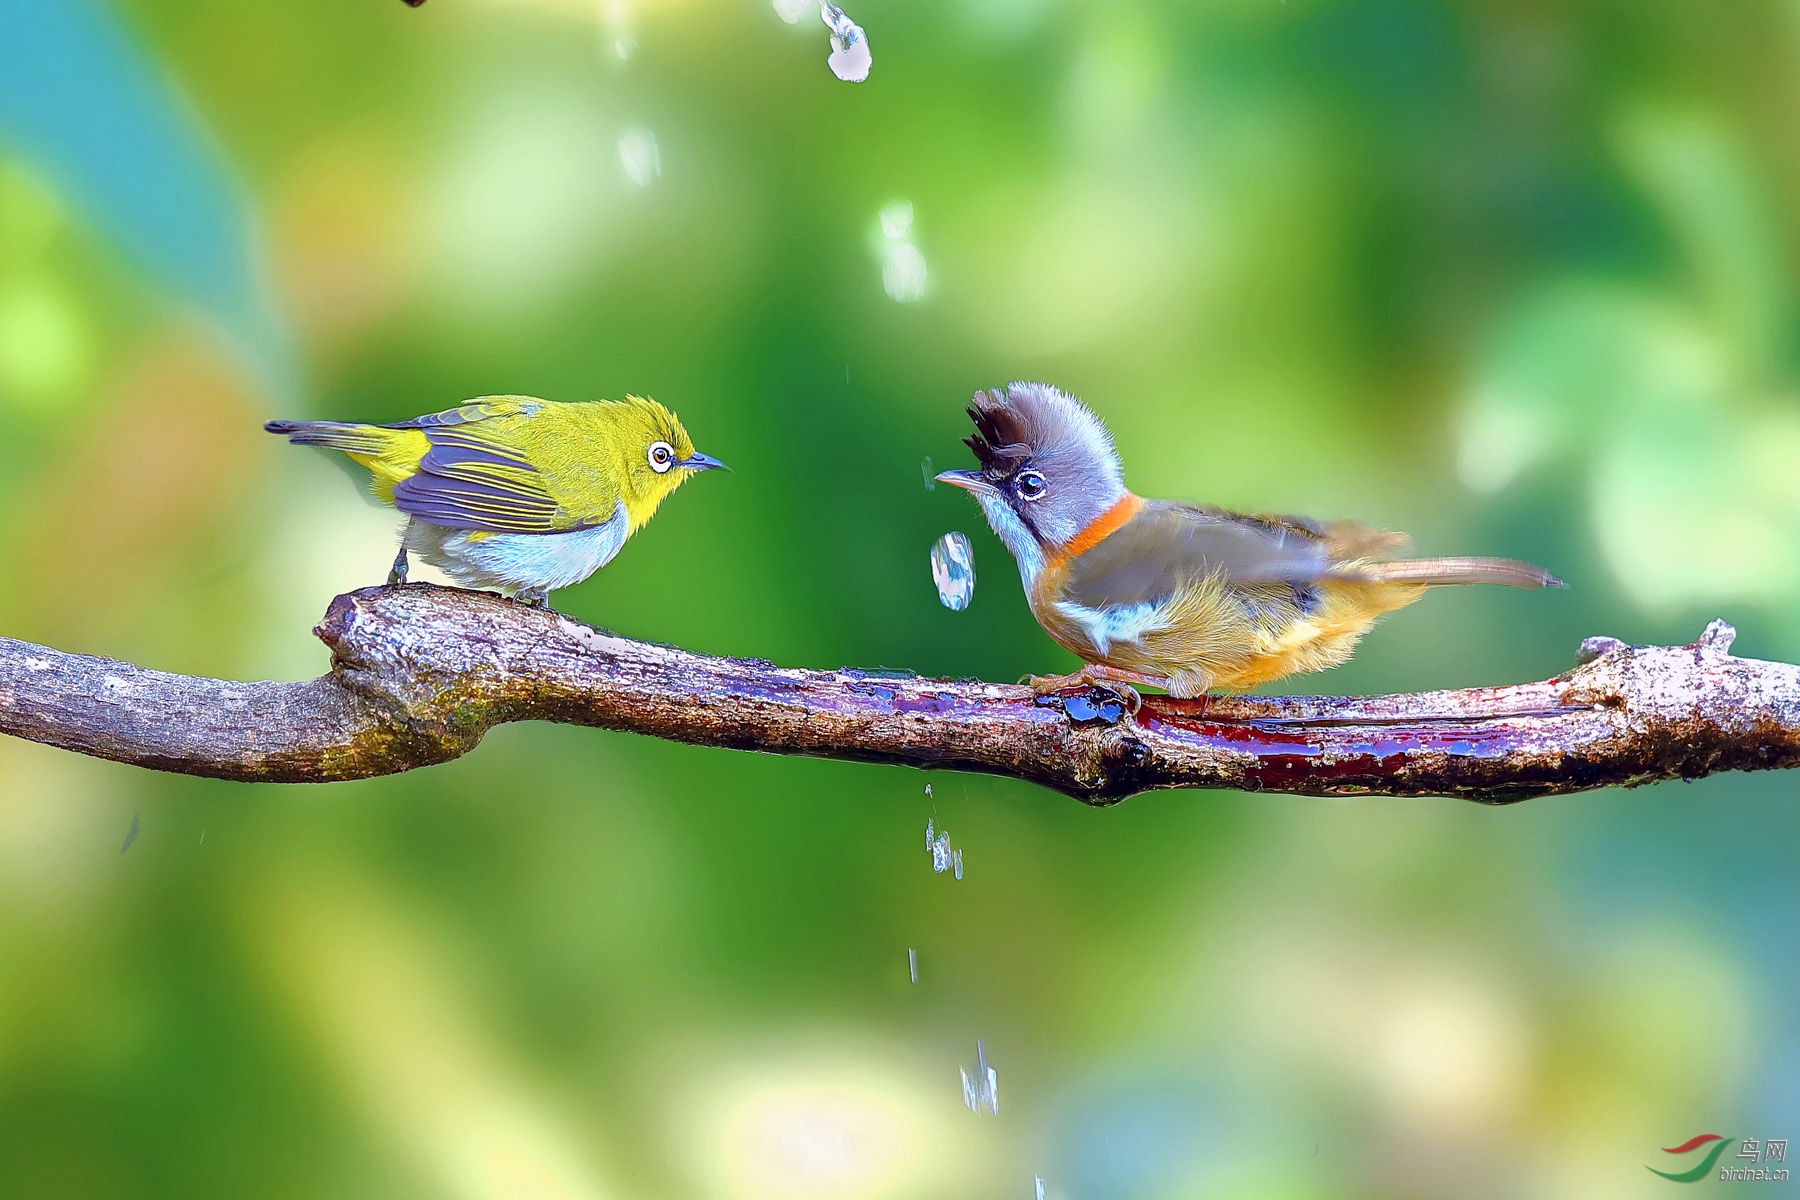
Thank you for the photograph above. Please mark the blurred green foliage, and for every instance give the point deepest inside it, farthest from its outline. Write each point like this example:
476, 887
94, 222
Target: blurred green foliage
1517, 277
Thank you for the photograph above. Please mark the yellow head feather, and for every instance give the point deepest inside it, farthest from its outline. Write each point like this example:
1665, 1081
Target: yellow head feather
638, 425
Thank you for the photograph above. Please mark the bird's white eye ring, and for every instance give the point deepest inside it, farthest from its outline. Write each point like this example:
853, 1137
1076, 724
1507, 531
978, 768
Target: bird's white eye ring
662, 457
1030, 484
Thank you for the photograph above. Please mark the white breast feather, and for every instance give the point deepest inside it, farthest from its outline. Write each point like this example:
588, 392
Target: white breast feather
1103, 627
509, 562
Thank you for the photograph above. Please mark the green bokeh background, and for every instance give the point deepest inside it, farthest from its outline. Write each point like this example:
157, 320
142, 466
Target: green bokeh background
1517, 277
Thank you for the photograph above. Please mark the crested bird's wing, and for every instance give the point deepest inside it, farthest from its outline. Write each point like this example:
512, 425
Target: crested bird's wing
477, 476
1169, 546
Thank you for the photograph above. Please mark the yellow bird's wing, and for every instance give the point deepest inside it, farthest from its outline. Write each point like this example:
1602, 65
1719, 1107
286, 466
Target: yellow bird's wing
475, 474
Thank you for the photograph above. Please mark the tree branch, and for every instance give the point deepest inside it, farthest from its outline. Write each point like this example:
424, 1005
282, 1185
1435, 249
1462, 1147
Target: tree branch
420, 673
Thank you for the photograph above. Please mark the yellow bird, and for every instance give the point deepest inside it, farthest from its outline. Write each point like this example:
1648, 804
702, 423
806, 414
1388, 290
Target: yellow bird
515, 494
1183, 597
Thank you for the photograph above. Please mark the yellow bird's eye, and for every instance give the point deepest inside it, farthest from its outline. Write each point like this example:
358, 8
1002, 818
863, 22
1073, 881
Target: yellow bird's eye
662, 457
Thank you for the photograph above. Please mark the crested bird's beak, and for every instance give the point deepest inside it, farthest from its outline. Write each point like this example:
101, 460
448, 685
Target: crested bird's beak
702, 462
968, 481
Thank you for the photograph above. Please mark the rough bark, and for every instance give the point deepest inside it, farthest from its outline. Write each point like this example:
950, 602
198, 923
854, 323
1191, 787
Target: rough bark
420, 673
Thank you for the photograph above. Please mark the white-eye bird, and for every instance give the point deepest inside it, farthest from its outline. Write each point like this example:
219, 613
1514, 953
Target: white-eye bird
515, 494
1184, 597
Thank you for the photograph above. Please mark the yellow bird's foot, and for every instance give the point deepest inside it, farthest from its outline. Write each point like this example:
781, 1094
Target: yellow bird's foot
534, 597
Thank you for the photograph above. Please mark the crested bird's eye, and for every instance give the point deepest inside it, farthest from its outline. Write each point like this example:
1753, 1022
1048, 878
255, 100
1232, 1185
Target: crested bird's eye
662, 457
1030, 484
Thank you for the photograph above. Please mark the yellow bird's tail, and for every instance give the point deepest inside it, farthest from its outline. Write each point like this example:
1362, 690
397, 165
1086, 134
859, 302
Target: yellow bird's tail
390, 454
334, 435
1508, 572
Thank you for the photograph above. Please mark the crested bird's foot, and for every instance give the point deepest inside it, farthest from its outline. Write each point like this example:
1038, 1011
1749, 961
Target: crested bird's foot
1094, 675
397, 573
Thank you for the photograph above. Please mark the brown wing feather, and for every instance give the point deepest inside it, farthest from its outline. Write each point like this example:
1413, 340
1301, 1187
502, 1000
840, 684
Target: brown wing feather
1167, 546
1508, 572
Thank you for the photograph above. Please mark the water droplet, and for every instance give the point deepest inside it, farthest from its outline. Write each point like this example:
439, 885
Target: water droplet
943, 857
1040, 1186
896, 219
1095, 705
790, 10
912, 964
617, 24
953, 570
929, 474
903, 275
849, 59
639, 155
981, 1091
928, 791
131, 834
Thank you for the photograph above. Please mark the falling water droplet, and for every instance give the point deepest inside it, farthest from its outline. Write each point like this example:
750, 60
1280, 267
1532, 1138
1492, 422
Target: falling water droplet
639, 155
790, 10
930, 476
953, 570
615, 22
1040, 1186
981, 1092
943, 856
896, 219
903, 274
849, 59
912, 964
928, 791
131, 834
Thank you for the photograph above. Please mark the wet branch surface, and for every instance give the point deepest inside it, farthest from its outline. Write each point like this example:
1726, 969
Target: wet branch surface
420, 673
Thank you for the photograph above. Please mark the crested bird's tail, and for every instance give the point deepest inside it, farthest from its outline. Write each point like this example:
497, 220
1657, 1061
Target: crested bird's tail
1508, 572
334, 435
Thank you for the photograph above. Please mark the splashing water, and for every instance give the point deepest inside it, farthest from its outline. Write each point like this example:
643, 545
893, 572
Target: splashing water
850, 58
790, 10
943, 858
640, 156
953, 570
1040, 1186
928, 791
981, 1091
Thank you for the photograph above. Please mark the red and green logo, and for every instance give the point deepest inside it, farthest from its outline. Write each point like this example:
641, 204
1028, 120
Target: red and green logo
1705, 1165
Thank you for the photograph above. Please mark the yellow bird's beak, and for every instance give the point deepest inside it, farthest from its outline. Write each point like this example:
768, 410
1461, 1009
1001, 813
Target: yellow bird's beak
702, 462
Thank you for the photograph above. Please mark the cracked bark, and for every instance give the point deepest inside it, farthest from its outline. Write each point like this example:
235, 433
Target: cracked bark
420, 673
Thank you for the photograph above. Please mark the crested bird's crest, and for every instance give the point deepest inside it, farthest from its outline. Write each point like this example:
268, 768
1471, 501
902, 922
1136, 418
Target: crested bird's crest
1040, 422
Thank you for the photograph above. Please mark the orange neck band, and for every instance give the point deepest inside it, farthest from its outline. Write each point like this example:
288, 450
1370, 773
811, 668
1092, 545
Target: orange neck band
1100, 528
